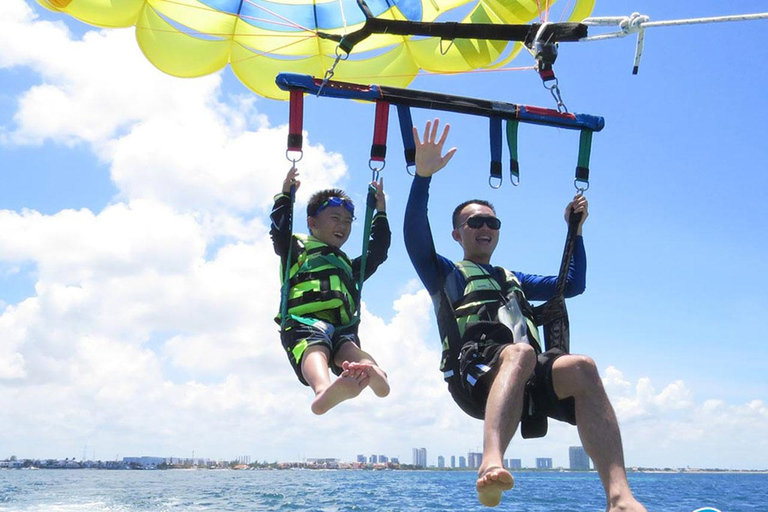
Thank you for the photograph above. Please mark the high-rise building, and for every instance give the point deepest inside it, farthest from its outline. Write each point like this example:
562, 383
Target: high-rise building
543, 463
361, 459
578, 458
373, 459
440, 461
383, 459
475, 459
453, 461
462, 462
515, 464
420, 457
395, 460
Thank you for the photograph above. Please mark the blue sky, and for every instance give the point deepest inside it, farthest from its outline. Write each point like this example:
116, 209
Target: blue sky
137, 280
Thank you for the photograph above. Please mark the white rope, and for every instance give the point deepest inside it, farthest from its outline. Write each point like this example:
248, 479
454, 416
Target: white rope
636, 23
343, 16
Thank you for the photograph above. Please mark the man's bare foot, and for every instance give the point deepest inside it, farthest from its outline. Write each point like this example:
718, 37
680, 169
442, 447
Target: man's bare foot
625, 505
348, 385
491, 482
379, 383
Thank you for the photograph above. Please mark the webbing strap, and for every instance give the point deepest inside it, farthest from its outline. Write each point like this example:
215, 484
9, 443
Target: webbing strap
406, 131
495, 134
296, 120
582, 168
285, 290
370, 203
514, 166
379, 146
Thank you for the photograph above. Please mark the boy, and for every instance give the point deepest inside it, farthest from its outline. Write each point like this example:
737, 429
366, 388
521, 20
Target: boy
320, 328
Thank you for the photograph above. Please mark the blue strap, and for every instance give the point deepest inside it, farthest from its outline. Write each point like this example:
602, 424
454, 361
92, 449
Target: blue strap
495, 130
406, 130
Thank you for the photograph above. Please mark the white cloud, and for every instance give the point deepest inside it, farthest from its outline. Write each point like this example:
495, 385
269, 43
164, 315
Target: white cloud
670, 428
169, 140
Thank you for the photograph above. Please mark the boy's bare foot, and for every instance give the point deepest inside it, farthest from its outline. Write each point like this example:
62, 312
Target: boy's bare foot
348, 385
379, 383
492, 481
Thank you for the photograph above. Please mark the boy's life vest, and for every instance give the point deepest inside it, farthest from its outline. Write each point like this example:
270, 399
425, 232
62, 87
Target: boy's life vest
322, 285
483, 294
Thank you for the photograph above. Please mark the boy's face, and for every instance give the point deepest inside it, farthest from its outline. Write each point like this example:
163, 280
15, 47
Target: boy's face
331, 225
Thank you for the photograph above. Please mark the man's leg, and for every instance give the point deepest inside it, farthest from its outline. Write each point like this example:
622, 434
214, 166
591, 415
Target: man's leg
314, 368
502, 416
577, 376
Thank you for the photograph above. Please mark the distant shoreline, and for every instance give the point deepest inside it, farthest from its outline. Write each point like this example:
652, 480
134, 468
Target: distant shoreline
466, 470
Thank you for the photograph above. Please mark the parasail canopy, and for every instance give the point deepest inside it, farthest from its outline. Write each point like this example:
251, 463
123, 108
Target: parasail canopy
261, 38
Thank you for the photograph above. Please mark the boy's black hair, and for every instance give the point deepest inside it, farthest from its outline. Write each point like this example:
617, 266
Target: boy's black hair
458, 209
319, 197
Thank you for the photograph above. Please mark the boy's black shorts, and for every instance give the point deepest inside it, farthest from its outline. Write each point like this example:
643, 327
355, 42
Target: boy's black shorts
296, 337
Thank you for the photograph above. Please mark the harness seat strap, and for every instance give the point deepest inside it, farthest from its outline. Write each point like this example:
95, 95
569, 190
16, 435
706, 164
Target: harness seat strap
296, 120
379, 146
495, 133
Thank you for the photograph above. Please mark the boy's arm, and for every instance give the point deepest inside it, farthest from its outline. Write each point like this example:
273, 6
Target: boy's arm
381, 237
538, 287
280, 231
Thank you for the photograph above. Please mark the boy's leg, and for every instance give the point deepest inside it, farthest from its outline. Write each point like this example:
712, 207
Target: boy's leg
577, 376
314, 368
352, 358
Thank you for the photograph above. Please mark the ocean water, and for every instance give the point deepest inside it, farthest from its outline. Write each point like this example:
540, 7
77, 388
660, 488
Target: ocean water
352, 491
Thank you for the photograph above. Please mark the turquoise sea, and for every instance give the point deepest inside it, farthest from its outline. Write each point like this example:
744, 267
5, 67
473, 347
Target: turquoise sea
368, 491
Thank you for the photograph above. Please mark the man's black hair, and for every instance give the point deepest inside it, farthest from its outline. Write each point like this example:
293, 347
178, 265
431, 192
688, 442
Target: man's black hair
458, 209
321, 196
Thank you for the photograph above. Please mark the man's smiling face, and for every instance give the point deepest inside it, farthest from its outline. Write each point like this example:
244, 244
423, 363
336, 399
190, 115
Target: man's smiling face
478, 243
331, 225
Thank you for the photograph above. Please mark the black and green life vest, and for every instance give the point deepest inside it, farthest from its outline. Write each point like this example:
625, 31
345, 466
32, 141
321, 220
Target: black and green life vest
482, 296
322, 285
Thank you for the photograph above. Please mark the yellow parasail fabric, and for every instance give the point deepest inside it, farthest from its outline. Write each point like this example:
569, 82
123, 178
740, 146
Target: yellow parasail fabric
261, 38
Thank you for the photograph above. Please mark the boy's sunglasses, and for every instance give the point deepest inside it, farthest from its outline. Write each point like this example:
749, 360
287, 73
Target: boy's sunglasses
336, 201
477, 221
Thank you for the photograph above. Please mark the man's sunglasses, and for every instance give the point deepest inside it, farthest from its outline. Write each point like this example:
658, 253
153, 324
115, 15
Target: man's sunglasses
477, 221
336, 201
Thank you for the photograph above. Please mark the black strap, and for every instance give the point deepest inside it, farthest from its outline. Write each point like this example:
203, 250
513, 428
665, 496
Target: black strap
553, 32
553, 315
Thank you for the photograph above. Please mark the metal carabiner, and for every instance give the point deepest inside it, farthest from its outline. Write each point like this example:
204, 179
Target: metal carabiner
294, 160
490, 182
580, 190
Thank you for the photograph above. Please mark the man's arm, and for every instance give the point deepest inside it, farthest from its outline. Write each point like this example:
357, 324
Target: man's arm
538, 287
418, 236
430, 267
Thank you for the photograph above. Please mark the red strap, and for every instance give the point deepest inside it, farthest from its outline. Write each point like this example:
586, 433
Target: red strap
296, 120
379, 147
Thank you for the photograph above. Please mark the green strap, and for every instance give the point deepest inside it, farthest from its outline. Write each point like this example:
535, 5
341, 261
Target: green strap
370, 207
585, 150
514, 166
285, 290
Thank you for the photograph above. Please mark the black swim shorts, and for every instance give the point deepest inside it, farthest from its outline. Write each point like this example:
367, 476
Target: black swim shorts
477, 362
296, 337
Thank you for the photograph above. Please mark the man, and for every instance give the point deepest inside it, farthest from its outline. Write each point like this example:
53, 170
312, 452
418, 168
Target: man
495, 368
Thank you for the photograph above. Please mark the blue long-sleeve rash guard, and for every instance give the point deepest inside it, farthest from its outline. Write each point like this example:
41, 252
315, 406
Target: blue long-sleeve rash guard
433, 269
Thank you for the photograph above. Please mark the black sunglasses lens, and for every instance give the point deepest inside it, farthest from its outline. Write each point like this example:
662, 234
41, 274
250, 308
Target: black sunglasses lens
477, 222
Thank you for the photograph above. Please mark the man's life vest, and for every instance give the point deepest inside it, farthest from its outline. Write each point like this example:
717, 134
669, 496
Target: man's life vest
484, 293
322, 285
